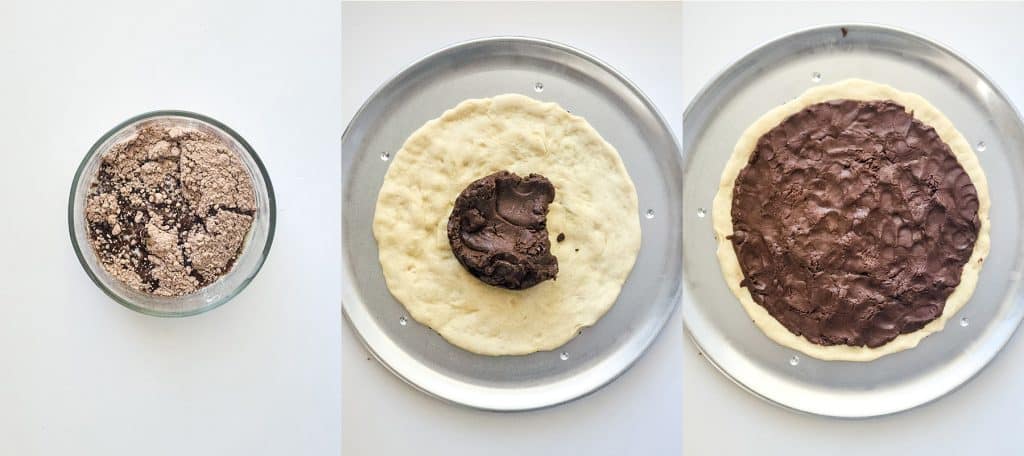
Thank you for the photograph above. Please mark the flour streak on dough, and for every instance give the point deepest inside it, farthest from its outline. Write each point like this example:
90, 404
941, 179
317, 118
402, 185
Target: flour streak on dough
850, 89
595, 206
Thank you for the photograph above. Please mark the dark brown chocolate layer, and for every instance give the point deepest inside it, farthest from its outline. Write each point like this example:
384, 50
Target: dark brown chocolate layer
498, 230
852, 222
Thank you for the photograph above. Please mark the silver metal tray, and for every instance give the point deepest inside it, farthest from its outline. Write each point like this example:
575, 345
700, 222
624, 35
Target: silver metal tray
624, 117
782, 70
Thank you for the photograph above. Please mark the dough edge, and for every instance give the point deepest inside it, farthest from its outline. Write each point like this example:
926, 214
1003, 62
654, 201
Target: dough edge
863, 90
586, 312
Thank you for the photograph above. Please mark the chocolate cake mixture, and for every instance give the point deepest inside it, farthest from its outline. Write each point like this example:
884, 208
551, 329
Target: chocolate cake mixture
169, 210
498, 230
852, 222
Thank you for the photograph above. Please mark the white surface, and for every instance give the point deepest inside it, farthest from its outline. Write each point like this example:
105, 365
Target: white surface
637, 414
81, 375
980, 418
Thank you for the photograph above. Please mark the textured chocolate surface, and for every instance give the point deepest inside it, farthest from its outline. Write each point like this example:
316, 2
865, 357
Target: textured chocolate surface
498, 230
852, 222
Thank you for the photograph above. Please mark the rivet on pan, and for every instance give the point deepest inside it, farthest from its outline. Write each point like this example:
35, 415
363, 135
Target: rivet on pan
385, 156
794, 360
701, 212
564, 356
964, 322
403, 321
538, 87
649, 214
816, 77
981, 146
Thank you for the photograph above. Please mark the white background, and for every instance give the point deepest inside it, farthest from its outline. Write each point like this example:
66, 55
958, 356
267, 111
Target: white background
81, 375
638, 414
983, 417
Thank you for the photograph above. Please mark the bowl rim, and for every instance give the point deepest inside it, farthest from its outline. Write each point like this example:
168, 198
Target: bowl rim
94, 152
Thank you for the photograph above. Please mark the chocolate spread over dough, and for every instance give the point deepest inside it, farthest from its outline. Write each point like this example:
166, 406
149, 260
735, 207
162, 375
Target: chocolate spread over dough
853, 222
498, 230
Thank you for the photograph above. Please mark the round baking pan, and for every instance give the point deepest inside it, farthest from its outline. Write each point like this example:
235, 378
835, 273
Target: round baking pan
772, 75
585, 86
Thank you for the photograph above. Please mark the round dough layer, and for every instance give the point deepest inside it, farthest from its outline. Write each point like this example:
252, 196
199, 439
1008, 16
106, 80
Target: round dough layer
850, 89
595, 206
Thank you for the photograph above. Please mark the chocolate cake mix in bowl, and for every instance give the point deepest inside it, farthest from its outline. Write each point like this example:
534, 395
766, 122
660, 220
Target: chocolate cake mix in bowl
171, 213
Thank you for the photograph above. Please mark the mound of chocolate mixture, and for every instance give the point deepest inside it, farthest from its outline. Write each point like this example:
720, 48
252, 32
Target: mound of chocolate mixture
498, 230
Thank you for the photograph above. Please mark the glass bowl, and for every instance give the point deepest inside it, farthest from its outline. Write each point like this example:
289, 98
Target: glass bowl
254, 249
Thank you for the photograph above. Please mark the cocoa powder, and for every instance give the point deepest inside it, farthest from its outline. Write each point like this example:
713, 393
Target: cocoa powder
169, 209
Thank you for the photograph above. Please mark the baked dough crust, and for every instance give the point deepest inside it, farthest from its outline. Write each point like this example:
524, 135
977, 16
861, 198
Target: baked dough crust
595, 206
851, 89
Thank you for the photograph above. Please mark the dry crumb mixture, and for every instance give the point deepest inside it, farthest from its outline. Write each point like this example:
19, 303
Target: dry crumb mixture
169, 209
